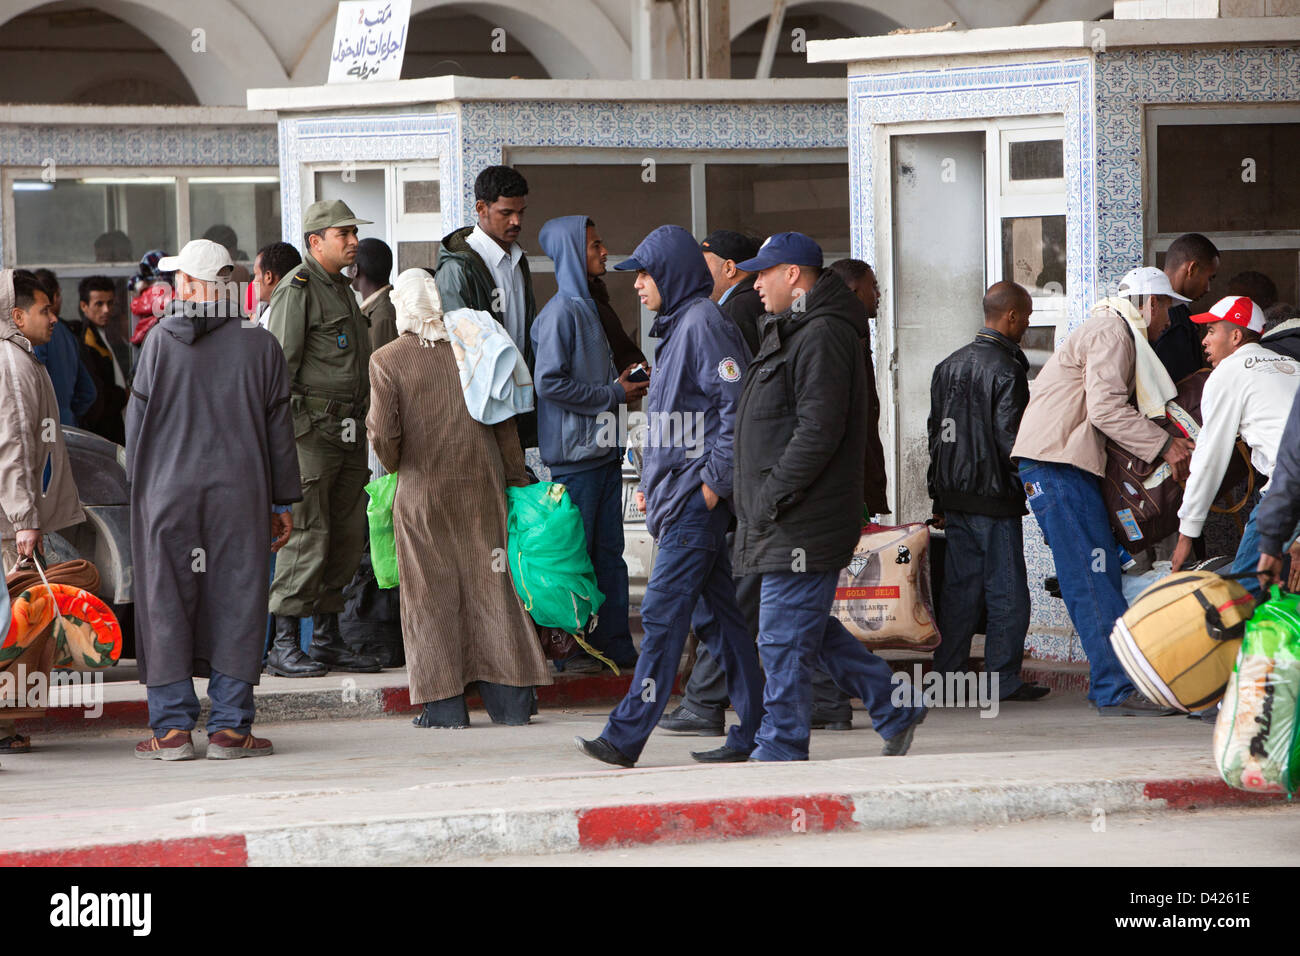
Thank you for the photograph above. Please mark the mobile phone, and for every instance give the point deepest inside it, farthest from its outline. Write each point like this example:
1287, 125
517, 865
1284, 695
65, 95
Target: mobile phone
638, 374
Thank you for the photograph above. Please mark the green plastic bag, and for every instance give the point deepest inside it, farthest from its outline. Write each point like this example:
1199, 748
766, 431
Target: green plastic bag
1257, 735
383, 544
547, 551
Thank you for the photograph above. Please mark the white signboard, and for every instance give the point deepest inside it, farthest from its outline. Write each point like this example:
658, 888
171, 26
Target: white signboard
369, 40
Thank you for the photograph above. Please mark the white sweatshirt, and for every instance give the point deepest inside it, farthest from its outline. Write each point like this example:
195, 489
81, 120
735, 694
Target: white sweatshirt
1250, 392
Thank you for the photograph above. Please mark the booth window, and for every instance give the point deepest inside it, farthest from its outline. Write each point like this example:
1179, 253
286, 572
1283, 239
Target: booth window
92, 219
1031, 216
403, 200
1227, 173
630, 193
88, 220
764, 198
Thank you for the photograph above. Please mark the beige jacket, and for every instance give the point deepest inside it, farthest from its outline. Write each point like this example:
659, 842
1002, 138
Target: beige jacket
1081, 398
36, 487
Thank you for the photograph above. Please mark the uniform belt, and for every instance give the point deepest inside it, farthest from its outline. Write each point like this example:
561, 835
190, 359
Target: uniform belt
329, 406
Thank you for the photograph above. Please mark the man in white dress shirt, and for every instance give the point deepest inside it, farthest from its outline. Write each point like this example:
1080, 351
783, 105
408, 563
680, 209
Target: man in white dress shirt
482, 267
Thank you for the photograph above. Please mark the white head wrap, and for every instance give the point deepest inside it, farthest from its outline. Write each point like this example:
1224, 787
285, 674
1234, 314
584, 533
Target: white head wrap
419, 307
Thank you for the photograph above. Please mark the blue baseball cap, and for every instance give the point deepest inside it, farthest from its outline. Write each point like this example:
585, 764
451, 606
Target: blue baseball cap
629, 264
793, 248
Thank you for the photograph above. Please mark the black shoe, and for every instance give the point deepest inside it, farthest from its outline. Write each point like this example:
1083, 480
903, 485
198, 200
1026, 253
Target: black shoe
582, 663
285, 658
1135, 705
899, 744
1028, 692
604, 751
723, 754
327, 647
684, 721
448, 714
831, 724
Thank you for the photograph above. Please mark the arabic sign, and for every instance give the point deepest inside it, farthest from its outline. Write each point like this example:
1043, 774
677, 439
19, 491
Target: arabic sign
369, 40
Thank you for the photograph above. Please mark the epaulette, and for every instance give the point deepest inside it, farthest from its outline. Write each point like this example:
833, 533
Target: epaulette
300, 280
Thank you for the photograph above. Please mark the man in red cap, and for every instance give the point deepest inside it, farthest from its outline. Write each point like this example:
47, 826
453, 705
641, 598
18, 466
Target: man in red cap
1249, 392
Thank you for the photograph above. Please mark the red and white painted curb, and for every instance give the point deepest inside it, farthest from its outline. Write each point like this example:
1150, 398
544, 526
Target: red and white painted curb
498, 832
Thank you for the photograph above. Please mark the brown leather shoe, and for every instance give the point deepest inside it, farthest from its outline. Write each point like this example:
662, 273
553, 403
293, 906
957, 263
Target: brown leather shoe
174, 745
228, 745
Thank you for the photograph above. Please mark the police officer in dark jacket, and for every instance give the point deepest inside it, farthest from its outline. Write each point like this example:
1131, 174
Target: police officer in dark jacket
801, 431
733, 288
977, 397
686, 481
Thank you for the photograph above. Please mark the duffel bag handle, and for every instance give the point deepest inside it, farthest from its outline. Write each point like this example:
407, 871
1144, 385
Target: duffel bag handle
1214, 620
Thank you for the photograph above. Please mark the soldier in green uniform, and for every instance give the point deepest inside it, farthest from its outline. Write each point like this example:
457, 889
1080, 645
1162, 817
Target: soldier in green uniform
326, 341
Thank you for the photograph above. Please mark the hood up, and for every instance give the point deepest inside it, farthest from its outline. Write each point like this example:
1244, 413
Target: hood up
564, 239
674, 260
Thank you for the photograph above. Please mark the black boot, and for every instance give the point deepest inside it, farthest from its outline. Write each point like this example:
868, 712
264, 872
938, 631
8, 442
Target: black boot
328, 648
286, 659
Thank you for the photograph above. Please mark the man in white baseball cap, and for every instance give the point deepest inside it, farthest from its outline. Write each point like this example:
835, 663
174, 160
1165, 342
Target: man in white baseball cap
202, 268
1080, 399
1249, 392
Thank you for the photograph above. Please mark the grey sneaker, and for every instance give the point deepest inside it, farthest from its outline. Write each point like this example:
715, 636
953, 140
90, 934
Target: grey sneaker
1135, 705
899, 744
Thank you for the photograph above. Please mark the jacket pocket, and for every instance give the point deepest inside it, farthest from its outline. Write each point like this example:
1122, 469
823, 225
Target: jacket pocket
301, 416
771, 395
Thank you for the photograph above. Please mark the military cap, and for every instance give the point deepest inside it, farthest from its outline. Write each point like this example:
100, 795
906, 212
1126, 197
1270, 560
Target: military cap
328, 213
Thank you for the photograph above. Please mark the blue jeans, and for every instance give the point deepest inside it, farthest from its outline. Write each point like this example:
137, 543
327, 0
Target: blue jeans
1068, 507
598, 495
692, 566
176, 707
984, 566
796, 633
1247, 559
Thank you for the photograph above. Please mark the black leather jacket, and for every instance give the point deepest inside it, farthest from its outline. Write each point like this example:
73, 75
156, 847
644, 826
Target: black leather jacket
977, 397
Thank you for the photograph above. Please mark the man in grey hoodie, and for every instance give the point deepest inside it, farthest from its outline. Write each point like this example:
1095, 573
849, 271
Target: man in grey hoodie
577, 384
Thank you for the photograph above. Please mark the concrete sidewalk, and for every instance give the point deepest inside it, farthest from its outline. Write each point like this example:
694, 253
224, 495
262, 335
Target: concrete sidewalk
343, 696
379, 791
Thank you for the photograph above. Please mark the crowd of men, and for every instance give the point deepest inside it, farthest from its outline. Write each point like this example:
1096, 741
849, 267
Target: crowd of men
237, 436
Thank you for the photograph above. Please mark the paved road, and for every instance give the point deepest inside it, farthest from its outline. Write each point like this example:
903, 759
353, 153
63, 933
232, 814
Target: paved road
1231, 838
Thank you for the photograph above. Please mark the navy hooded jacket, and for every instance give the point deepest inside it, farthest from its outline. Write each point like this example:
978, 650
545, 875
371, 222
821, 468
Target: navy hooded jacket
574, 369
699, 369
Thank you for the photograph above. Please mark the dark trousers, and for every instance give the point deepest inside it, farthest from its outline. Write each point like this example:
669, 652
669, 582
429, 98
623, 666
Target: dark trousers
706, 691
175, 706
796, 632
693, 566
984, 567
598, 496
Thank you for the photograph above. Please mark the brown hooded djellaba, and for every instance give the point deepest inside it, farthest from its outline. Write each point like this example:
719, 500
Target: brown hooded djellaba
462, 620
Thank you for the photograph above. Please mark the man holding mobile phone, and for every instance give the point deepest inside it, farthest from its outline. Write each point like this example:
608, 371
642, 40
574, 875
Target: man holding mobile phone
578, 390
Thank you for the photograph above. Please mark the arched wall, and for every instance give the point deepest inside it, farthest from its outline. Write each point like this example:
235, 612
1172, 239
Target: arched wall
236, 56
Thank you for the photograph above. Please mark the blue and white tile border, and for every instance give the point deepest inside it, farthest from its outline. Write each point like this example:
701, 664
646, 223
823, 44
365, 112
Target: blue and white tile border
1056, 87
1063, 87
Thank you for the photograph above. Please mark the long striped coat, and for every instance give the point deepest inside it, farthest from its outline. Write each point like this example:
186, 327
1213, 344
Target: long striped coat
461, 618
